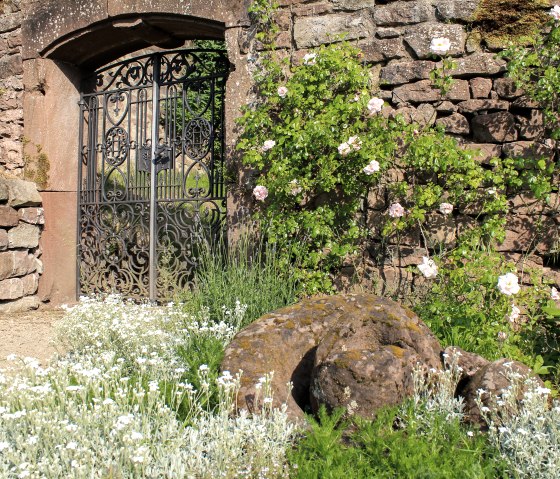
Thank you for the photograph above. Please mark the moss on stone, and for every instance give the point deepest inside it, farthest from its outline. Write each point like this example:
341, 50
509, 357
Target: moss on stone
397, 351
502, 21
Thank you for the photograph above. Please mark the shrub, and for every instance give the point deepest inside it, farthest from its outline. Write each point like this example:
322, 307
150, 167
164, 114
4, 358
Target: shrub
237, 283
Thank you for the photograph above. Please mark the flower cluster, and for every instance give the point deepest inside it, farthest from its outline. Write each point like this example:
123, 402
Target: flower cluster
101, 412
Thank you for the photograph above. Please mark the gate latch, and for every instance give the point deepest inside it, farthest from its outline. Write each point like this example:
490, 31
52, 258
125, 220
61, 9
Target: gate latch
162, 158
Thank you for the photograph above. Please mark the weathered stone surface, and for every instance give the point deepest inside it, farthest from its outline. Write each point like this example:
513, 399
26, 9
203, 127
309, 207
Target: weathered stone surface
9, 21
22, 193
531, 127
379, 50
10, 66
11, 288
494, 127
352, 4
480, 87
524, 233
524, 102
285, 341
312, 9
456, 9
485, 151
505, 88
525, 204
16, 263
425, 114
423, 91
3, 240
4, 193
474, 106
446, 107
528, 149
419, 37
478, 64
493, 379
397, 73
388, 33
30, 283
402, 13
34, 216
314, 31
440, 230
377, 198
455, 124
470, 363
366, 362
28, 303
8, 216
24, 236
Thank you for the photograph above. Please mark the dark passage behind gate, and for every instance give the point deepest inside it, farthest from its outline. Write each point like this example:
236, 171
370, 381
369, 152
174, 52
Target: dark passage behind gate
152, 171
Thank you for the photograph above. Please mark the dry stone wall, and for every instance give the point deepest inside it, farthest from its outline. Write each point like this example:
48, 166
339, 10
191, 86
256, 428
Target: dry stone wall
11, 88
483, 110
21, 223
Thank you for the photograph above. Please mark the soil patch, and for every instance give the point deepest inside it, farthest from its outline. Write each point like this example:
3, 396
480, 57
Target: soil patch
28, 334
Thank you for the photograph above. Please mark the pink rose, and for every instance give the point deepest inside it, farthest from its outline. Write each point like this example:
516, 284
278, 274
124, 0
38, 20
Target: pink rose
372, 167
396, 210
375, 105
282, 91
260, 192
268, 145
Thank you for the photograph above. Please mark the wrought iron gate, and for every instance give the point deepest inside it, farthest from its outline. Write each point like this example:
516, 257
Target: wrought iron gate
151, 175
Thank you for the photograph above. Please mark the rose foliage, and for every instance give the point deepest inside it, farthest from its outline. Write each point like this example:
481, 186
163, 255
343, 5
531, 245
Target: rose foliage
331, 146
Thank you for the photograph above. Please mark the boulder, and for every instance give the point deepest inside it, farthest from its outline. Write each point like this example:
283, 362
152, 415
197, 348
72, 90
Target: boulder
287, 341
492, 379
367, 362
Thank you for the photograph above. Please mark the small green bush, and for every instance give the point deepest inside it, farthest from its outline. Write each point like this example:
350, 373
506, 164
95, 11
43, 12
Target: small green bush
241, 281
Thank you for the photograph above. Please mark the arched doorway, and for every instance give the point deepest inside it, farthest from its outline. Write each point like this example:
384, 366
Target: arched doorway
64, 43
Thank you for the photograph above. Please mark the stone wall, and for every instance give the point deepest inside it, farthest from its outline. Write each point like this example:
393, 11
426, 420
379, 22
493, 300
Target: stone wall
11, 88
483, 110
21, 223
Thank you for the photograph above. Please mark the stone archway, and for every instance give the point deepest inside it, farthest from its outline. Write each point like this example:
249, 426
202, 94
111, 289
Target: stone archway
65, 40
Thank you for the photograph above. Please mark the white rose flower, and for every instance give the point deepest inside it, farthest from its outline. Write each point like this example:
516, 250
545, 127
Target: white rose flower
396, 210
428, 268
514, 315
446, 208
268, 145
260, 193
295, 188
310, 59
440, 45
372, 167
555, 12
344, 149
375, 105
554, 294
355, 142
282, 91
508, 284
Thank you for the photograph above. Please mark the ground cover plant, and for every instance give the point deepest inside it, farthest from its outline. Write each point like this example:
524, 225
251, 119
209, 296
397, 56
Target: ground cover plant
118, 405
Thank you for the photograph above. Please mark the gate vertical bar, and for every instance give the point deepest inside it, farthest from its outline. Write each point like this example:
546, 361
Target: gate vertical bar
81, 104
153, 178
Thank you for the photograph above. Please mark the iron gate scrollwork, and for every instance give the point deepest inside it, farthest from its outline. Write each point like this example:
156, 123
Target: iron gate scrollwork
151, 175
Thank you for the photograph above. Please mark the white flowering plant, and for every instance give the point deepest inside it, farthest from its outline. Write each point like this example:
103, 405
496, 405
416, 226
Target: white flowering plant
117, 405
484, 304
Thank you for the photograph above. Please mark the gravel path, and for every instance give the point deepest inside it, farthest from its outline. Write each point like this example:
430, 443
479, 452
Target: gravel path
28, 334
